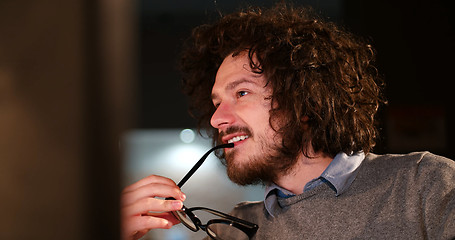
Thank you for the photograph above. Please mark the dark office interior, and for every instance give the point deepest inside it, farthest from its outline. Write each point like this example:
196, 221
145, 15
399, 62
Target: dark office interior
76, 75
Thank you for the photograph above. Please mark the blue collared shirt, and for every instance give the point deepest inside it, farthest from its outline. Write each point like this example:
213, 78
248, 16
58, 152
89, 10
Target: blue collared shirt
339, 175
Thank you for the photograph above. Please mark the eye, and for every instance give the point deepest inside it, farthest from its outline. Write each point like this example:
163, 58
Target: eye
216, 105
241, 93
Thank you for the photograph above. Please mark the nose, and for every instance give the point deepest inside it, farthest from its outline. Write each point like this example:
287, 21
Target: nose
223, 116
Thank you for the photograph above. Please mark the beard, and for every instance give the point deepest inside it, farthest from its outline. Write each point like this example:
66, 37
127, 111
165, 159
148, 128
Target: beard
261, 168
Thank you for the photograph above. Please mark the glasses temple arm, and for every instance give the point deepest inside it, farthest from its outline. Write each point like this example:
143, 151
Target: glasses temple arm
200, 162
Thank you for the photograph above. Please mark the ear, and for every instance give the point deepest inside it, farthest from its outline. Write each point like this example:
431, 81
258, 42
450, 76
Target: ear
305, 120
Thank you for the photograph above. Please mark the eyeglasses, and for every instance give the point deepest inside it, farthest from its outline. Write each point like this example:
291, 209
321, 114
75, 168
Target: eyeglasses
237, 228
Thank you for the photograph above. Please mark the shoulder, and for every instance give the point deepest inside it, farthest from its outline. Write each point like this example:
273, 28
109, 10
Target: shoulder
249, 209
423, 167
425, 181
418, 160
249, 206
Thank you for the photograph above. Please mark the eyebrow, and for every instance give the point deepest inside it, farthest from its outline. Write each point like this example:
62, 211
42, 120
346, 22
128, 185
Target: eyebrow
233, 85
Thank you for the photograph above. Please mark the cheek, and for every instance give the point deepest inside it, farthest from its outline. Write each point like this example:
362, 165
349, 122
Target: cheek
256, 114
262, 124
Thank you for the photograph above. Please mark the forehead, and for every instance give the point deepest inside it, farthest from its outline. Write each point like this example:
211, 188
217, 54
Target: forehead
235, 70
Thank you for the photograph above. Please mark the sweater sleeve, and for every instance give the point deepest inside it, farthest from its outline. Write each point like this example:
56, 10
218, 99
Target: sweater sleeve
436, 176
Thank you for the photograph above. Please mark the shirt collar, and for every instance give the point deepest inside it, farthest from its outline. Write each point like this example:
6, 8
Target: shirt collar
340, 173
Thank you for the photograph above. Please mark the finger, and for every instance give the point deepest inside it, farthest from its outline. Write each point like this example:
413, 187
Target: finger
152, 190
148, 180
151, 205
138, 226
140, 234
168, 216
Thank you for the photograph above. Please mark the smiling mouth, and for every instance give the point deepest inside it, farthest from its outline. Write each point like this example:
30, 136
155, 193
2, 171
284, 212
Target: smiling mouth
237, 139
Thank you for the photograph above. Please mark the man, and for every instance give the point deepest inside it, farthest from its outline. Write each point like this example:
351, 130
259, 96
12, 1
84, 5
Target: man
297, 96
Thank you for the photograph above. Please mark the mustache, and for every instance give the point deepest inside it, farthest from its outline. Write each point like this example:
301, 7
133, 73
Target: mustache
234, 129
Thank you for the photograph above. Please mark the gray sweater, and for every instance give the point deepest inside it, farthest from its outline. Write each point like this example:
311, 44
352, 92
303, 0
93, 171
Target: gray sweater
393, 197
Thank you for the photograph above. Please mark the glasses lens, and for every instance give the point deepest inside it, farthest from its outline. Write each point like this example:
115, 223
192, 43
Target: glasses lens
183, 217
225, 231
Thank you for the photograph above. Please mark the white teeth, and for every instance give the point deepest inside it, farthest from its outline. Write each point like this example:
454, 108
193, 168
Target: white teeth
238, 138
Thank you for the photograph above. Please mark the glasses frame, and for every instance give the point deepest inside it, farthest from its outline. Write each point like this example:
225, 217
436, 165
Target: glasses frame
248, 228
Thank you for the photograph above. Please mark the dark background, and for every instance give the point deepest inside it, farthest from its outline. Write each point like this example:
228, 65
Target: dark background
415, 54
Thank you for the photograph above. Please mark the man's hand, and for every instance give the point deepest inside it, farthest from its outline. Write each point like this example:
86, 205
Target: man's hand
142, 211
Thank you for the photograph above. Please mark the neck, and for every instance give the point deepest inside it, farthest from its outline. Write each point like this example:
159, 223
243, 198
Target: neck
305, 170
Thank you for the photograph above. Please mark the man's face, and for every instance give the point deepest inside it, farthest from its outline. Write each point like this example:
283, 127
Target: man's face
243, 102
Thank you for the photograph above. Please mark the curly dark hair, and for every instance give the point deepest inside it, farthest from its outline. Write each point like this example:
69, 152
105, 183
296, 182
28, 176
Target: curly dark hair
323, 78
